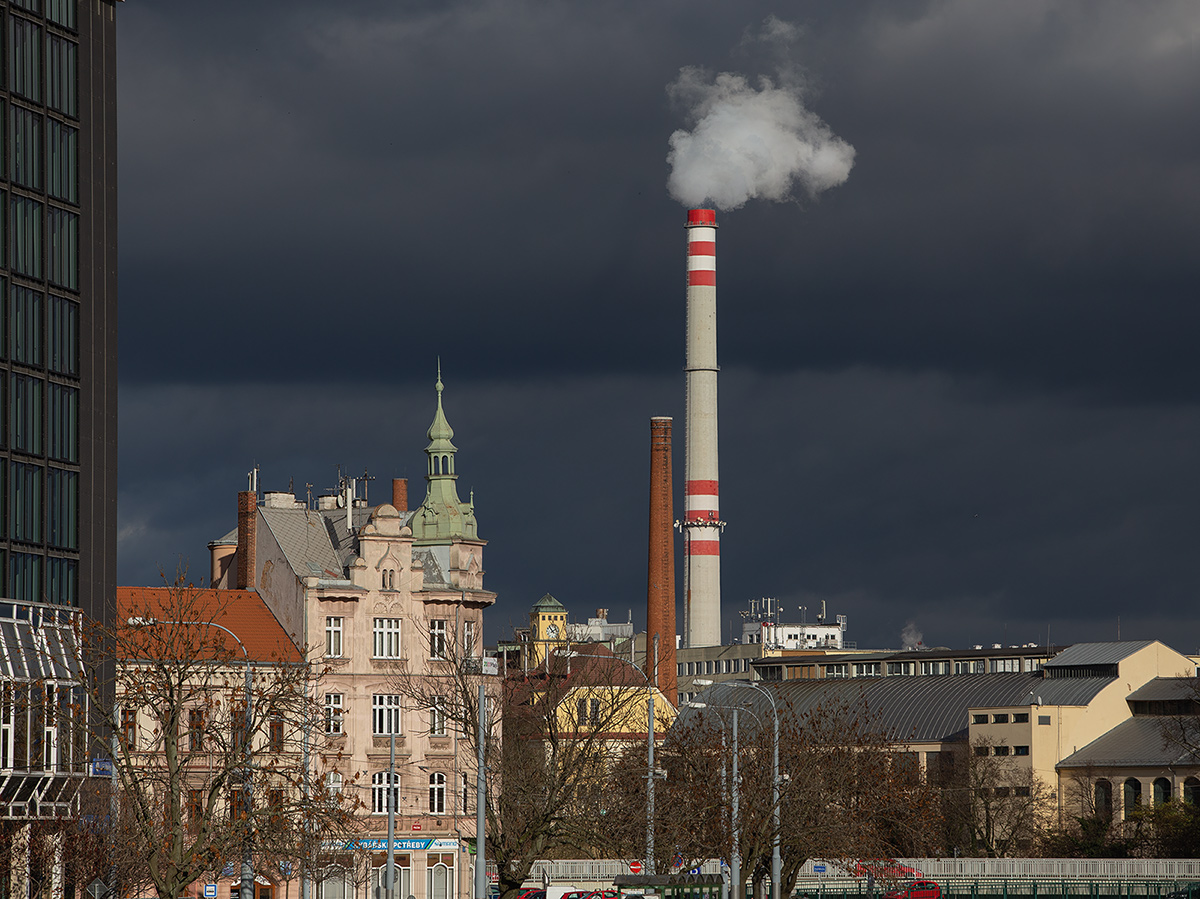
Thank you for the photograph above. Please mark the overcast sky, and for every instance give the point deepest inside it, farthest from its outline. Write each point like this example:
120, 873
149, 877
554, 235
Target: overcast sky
959, 390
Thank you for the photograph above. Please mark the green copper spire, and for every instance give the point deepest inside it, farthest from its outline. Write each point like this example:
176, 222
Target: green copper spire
443, 516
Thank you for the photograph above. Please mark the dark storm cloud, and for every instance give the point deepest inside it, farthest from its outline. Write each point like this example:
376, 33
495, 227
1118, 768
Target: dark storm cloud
993, 316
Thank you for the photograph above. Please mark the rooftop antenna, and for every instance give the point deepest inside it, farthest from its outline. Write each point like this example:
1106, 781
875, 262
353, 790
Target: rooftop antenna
365, 479
252, 479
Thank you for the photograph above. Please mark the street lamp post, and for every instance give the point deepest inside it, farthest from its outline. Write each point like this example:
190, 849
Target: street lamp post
247, 888
776, 861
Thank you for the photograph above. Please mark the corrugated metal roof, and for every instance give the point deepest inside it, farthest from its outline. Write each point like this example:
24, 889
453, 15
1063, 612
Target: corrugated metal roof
1167, 688
1137, 741
1097, 653
926, 708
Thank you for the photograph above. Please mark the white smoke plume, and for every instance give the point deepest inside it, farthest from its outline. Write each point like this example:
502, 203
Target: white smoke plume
748, 142
911, 637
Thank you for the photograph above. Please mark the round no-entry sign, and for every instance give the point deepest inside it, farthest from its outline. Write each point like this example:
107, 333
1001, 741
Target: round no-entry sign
635, 867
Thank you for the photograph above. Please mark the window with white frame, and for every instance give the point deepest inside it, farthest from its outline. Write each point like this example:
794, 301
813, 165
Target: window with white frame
333, 784
333, 713
333, 637
437, 638
385, 714
387, 638
437, 793
380, 791
437, 717
468, 639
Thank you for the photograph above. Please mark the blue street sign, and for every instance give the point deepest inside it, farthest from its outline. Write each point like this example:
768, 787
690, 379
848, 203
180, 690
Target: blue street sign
819, 869
210, 891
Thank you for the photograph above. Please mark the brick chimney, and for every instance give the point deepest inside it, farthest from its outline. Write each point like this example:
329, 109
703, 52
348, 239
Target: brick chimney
400, 494
660, 595
247, 519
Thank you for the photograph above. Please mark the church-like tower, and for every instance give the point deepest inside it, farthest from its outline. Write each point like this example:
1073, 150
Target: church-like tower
443, 517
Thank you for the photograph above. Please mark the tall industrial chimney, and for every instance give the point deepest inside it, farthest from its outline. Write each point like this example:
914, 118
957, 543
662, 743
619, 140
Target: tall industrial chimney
702, 519
660, 593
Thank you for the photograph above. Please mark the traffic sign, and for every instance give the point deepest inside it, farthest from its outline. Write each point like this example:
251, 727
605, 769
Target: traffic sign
416, 825
635, 867
818, 869
210, 891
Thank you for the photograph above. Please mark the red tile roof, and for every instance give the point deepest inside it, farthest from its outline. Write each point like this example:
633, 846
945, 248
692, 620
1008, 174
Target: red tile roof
242, 611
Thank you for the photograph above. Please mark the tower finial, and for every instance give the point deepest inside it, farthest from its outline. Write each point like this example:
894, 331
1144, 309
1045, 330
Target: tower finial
439, 378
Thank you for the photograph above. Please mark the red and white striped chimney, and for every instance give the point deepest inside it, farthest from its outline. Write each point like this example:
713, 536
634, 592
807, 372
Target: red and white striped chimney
702, 518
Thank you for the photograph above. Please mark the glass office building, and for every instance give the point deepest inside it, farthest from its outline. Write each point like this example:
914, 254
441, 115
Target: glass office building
58, 355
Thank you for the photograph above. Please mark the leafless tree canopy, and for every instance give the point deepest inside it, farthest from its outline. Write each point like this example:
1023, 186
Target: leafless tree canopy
185, 803
563, 724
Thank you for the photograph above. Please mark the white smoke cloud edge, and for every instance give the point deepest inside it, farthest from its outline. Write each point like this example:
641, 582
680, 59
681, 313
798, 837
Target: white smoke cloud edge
750, 142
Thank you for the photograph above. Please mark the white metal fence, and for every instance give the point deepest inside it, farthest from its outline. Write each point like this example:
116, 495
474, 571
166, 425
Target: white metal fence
603, 871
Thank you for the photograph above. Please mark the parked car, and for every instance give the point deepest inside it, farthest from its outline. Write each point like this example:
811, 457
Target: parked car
915, 889
1185, 891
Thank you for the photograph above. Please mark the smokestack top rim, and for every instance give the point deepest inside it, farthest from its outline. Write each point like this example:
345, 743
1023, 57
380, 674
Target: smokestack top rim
702, 217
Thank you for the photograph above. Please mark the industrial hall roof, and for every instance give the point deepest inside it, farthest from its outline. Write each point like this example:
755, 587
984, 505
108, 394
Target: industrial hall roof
1140, 741
929, 708
1097, 653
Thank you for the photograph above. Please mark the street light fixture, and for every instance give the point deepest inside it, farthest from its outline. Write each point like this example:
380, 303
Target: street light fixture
247, 887
776, 862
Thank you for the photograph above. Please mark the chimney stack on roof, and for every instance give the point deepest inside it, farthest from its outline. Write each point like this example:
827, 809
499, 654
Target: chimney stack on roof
247, 520
400, 494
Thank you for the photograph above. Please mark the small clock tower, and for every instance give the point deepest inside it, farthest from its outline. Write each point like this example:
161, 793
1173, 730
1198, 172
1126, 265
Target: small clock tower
547, 627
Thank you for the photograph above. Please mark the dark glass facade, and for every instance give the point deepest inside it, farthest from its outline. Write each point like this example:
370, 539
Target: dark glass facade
58, 383
58, 303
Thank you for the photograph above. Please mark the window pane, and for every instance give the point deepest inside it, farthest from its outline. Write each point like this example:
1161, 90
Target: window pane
61, 12
25, 325
62, 143
25, 58
25, 577
26, 255
64, 336
62, 76
25, 427
63, 509
63, 583
64, 423
25, 506
25, 147
63, 255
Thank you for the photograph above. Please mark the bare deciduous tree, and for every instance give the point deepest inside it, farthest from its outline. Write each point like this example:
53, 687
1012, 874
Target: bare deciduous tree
563, 725
199, 778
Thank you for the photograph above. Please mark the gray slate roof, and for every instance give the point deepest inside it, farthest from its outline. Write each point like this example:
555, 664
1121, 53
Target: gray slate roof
1135, 742
1097, 653
1167, 688
315, 543
927, 708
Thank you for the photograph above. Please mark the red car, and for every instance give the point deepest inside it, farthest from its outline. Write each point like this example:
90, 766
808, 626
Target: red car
915, 889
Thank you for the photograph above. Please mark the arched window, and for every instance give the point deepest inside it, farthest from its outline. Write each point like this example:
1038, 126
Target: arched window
445, 465
1132, 796
379, 792
437, 793
1162, 791
1191, 791
437, 464
333, 783
1104, 800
